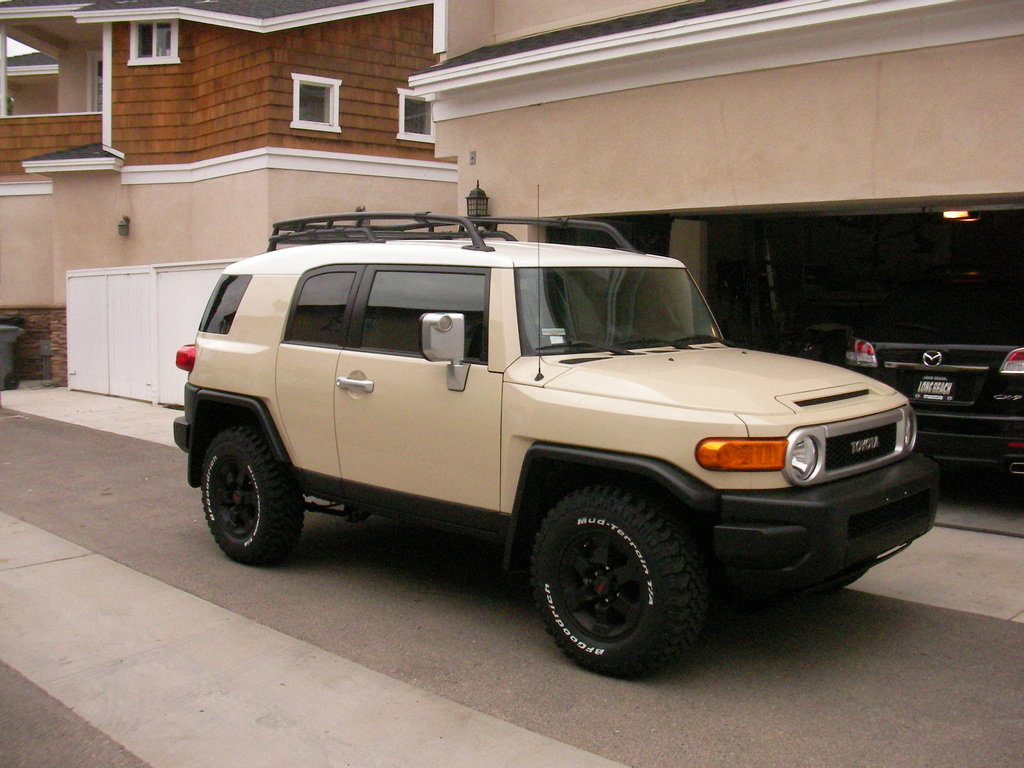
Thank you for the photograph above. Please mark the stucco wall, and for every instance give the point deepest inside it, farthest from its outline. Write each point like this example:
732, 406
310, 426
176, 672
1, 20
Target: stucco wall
519, 18
294, 194
476, 23
933, 123
221, 218
26, 272
33, 94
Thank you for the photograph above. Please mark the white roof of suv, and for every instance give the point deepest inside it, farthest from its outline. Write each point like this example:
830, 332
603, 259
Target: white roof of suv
506, 255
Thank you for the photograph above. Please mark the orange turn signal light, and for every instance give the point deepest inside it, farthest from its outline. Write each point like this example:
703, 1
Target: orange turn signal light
749, 455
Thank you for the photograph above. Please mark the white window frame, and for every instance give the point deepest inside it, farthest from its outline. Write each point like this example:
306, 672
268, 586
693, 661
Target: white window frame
134, 60
333, 103
94, 81
403, 95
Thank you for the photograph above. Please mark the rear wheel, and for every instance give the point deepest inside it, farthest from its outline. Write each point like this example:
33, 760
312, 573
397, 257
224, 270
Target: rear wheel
253, 506
620, 583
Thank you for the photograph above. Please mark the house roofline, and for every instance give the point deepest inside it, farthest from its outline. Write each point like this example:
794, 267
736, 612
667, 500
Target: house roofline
785, 14
248, 23
40, 12
763, 37
33, 69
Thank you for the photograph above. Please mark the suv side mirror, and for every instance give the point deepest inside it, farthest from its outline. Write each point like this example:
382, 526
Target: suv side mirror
443, 339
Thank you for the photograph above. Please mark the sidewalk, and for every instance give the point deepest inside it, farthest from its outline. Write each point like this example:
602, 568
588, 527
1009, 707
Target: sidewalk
132, 418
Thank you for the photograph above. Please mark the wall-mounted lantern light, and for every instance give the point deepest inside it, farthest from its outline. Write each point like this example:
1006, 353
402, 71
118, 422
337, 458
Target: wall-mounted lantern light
477, 201
124, 226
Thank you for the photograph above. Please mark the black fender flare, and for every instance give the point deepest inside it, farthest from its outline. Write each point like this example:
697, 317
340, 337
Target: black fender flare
695, 495
201, 430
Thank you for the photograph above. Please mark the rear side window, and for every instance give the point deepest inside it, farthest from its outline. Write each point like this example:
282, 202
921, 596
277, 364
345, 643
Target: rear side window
220, 313
319, 315
399, 298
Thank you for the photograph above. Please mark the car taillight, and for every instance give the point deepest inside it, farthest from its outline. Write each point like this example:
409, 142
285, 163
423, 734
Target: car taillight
860, 352
1014, 362
186, 357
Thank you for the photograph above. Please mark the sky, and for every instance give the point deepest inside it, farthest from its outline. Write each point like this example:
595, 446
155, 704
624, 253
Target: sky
14, 48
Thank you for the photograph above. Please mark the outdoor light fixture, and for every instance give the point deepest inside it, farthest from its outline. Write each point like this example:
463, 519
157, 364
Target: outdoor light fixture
477, 201
959, 216
124, 226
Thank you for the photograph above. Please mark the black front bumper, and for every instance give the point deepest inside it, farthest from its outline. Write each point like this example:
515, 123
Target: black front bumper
786, 540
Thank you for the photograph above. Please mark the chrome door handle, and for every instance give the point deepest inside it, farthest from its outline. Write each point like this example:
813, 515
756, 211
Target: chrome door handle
362, 384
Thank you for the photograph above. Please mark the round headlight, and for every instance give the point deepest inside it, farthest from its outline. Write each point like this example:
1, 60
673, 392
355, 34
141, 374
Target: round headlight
909, 430
803, 458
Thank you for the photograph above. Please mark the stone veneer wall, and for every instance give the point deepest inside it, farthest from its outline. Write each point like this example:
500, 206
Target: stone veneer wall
41, 324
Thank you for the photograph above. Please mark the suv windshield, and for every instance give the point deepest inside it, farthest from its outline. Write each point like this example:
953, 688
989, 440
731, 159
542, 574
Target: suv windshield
613, 309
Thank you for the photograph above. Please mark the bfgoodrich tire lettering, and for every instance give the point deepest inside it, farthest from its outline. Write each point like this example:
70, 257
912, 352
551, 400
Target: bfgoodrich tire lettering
253, 507
621, 584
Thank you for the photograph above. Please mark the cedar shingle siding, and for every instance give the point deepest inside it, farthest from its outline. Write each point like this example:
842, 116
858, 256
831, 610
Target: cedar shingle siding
233, 89
25, 137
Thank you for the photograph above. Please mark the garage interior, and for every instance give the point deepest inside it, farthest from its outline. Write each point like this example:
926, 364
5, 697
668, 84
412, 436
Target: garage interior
796, 282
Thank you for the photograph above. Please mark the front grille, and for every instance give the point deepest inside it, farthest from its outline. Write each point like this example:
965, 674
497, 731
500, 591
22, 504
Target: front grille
854, 448
848, 448
892, 514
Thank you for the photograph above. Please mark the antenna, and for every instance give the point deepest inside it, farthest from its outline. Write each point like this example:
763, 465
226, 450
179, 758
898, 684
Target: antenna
540, 374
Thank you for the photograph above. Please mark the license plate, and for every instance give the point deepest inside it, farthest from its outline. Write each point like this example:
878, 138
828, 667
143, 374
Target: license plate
938, 388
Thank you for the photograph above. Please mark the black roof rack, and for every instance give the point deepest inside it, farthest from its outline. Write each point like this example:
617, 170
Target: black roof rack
381, 226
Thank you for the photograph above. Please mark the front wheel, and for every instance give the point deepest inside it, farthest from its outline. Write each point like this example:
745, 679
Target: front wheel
253, 506
621, 584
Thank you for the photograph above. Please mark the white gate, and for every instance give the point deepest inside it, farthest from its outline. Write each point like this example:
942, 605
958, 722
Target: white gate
126, 323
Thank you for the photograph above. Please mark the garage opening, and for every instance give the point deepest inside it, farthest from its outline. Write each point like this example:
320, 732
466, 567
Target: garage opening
797, 283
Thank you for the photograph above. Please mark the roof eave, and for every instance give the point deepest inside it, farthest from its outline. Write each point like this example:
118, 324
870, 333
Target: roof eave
785, 15
46, 167
248, 23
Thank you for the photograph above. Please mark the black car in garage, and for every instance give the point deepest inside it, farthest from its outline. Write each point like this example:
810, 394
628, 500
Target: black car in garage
954, 345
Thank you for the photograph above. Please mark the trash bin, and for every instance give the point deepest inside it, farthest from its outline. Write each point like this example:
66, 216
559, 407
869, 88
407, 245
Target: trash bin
8, 335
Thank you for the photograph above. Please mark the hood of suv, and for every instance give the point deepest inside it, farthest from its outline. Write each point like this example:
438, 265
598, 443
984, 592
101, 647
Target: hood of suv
718, 379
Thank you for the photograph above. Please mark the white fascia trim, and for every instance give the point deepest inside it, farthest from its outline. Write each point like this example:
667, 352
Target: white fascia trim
40, 69
275, 24
783, 15
679, 52
25, 188
80, 164
275, 158
46, 12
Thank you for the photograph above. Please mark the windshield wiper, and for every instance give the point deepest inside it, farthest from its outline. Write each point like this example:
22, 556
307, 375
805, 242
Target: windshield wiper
686, 342
570, 346
647, 343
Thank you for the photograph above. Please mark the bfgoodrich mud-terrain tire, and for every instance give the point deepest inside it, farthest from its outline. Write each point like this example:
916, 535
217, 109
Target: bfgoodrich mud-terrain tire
253, 506
621, 584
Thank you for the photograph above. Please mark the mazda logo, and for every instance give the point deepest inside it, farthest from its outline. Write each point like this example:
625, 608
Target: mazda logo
932, 357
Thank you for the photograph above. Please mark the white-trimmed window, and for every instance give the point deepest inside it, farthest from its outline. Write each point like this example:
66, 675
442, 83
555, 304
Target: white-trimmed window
415, 122
94, 81
154, 42
315, 103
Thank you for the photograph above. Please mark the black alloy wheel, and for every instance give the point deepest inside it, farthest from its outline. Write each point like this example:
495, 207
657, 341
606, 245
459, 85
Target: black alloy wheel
253, 507
619, 580
603, 584
234, 499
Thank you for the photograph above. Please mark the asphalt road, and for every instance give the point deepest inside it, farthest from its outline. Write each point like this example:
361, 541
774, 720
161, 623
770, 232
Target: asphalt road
849, 679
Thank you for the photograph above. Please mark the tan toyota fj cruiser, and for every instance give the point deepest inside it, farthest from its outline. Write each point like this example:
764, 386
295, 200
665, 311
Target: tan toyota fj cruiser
576, 404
